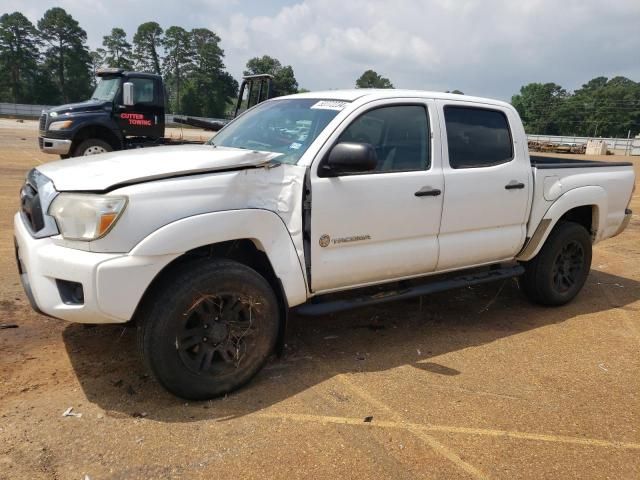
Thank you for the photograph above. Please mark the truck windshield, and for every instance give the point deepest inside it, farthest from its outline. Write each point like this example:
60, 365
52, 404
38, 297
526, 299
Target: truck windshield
106, 89
285, 126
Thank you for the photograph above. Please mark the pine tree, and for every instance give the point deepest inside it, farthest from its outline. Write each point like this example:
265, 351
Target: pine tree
177, 62
18, 56
118, 50
66, 53
146, 44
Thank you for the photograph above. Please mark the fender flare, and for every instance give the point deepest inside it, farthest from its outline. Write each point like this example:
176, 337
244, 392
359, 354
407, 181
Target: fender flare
263, 227
592, 196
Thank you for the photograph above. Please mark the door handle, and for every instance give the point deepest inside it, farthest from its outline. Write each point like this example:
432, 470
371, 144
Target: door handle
427, 192
514, 185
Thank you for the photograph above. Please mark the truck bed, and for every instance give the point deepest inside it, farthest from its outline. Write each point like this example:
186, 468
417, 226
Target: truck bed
559, 162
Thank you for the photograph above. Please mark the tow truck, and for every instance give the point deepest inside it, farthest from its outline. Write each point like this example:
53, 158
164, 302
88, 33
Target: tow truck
127, 110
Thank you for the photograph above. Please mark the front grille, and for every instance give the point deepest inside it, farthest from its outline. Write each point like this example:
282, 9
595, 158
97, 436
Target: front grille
31, 207
42, 126
36, 195
40, 142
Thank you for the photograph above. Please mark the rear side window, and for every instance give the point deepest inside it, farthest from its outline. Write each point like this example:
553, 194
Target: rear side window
477, 137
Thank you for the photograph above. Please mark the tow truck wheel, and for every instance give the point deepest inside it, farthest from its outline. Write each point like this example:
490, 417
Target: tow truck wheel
92, 146
559, 271
209, 328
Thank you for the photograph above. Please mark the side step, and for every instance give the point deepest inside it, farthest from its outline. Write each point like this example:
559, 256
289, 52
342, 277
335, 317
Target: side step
321, 306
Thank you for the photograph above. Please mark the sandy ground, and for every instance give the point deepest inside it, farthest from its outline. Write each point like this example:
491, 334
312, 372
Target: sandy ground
473, 383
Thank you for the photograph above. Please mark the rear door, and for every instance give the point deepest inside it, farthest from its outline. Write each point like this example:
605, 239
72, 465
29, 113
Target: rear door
487, 185
371, 227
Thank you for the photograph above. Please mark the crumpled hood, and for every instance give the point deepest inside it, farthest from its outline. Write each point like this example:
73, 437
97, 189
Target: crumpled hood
108, 170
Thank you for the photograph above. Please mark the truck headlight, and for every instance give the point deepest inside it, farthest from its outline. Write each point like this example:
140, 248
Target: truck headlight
60, 124
84, 216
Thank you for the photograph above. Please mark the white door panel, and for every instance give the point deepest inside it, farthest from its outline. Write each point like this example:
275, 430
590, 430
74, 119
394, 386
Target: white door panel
371, 227
462, 248
398, 230
483, 221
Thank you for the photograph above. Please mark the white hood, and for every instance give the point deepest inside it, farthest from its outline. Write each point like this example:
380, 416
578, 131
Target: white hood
107, 170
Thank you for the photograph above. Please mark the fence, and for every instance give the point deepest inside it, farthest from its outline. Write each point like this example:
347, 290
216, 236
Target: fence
21, 110
620, 146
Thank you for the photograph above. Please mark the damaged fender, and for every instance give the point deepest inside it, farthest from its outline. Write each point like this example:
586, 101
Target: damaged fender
263, 227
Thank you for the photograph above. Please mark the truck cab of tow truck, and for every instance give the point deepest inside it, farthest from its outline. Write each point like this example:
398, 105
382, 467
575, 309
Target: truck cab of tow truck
124, 106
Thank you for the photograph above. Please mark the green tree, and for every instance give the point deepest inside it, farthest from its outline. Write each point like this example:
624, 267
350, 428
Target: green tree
178, 62
371, 79
66, 53
98, 59
539, 105
284, 80
607, 108
118, 50
44, 90
209, 87
18, 55
147, 42
601, 107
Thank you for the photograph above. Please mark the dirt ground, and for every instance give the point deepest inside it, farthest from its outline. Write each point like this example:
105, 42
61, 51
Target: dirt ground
472, 383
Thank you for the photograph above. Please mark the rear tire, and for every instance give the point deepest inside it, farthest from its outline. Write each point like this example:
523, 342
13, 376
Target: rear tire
92, 146
559, 271
209, 329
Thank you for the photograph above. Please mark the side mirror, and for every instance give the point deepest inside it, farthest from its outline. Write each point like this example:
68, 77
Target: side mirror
349, 157
127, 94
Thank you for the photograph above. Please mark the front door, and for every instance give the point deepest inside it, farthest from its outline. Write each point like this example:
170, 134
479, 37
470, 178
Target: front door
379, 225
487, 186
142, 119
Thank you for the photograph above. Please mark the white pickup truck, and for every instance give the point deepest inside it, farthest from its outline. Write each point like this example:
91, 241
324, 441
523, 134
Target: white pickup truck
206, 248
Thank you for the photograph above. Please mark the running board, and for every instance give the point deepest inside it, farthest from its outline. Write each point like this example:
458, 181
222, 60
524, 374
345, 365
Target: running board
319, 306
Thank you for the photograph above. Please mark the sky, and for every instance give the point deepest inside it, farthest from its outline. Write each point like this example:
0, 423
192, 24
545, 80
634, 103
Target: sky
482, 47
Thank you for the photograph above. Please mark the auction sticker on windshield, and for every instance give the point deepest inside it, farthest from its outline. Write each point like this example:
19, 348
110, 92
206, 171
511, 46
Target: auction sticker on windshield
329, 105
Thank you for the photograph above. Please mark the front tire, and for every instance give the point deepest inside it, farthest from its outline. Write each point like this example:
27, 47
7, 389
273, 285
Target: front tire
559, 271
210, 329
92, 146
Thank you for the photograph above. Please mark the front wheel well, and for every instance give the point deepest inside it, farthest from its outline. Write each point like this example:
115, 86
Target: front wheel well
99, 132
244, 251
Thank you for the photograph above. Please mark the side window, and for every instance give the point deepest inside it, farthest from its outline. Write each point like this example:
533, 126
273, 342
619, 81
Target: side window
399, 134
477, 137
142, 90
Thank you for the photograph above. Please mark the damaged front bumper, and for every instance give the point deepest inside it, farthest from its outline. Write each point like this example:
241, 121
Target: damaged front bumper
81, 286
